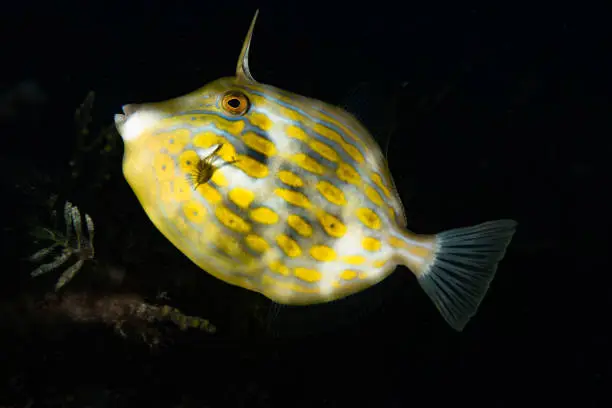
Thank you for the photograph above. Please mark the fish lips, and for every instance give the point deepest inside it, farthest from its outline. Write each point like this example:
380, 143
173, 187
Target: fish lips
128, 109
135, 119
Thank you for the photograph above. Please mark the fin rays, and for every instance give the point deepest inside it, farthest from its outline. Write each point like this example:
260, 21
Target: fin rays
464, 265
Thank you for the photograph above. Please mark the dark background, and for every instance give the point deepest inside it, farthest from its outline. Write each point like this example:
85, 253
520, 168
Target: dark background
501, 115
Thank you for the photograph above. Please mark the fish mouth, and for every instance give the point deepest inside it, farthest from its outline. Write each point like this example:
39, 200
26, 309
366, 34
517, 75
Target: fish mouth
135, 119
120, 120
128, 110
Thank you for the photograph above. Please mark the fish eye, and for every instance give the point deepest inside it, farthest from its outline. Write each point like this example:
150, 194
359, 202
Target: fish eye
235, 103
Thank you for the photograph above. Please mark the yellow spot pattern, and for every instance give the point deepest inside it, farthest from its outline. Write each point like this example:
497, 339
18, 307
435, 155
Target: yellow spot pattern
264, 215
297, 117
370, 244
348, 274
251, 167
332, 193
289, 178
322, 253
289, 287
397, 243
288, 245
332, 225
420, 252
321, 148
379, 264
209, 193
334, 136
369, 218
307, 163
378, 181
231, 247
259, 144
293, 197
188, 160
342, 127
234, 127
164, 167
231, 220
181, 190
291, 114
175, 141
256, 243
241, 197
194, 211
278, 267
308, 275
324, 150
257, 100
208, 139
373, 195
300, 225
219, 179
261, 121
296, 133
354, 259
347, 173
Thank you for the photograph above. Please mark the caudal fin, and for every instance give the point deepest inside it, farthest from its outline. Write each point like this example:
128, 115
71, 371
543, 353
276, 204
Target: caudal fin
461, 265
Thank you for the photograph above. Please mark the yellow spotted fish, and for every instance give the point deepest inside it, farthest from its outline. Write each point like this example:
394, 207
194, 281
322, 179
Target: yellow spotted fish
291, 197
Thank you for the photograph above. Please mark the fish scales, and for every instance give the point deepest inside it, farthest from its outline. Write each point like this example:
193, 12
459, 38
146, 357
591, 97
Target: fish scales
291, 197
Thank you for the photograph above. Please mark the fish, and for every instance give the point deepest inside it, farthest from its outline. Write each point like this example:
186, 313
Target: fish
291, 197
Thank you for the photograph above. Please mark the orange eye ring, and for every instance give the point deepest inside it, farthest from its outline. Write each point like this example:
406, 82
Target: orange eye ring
235, 103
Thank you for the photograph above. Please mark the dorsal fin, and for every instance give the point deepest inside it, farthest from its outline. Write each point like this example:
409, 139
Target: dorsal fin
242, 68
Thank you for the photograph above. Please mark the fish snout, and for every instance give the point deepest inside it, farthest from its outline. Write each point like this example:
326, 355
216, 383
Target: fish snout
136, 119
119, 119
130, 108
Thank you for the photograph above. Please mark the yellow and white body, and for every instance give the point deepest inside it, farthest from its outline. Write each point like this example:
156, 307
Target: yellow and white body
291, 197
